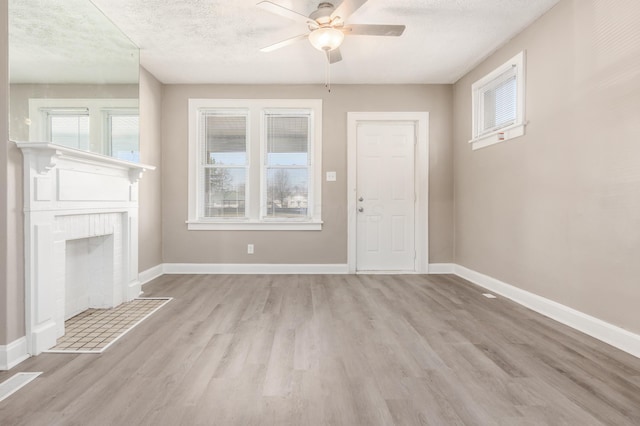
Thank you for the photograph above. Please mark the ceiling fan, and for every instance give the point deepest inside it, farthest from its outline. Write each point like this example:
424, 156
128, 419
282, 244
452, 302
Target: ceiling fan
327, 27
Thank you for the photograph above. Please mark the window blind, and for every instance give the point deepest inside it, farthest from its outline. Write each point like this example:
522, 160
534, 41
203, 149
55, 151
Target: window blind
500, 102
287, 140
124, 137
226, 139
70, 130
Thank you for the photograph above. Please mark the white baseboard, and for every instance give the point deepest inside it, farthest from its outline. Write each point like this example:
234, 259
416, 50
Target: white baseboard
251, 268
151, 274
441, 268
594, 327
13, 353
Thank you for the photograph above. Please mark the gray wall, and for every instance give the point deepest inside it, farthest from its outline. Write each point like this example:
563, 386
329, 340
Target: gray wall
150, 206
12, 263
328, 246
557, 212
4, 131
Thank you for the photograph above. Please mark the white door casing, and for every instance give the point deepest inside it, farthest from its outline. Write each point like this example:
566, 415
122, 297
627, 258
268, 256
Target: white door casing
382, 237
385, 237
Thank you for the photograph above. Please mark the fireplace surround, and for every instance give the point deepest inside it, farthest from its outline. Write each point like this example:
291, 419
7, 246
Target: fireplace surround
71, 195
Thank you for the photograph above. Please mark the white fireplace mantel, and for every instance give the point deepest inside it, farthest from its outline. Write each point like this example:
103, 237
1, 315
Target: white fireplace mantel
68, 195
47, 155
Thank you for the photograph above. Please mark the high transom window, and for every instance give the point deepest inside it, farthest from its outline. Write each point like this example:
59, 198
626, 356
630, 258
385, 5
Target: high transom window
498, 104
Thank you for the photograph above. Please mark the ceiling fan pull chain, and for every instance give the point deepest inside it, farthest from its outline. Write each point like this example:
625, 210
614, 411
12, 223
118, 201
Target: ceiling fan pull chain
329, 76
327, 73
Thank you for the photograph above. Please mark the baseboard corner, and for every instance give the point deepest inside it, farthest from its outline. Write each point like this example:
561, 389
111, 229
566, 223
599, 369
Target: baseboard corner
13, 353
441, 268
151, 274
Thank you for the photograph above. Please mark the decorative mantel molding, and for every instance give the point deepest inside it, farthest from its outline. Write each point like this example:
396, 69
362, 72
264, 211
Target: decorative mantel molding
46, 157
68, 195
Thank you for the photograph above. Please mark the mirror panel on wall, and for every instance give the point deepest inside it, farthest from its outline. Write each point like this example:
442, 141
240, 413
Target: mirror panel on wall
73, 78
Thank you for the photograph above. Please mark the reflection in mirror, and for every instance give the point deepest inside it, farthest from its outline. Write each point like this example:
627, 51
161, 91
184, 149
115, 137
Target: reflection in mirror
73, 78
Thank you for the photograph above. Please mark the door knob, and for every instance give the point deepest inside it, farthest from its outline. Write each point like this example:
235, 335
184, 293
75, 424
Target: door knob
360, 199
361, 209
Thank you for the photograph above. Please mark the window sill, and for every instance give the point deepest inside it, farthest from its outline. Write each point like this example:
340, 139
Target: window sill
254, 226
498, 136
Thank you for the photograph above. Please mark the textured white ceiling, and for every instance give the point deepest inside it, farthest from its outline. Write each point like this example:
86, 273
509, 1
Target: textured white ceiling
67, 41
218, 41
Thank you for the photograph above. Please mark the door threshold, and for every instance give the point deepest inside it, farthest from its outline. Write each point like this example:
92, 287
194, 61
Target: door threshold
386, 272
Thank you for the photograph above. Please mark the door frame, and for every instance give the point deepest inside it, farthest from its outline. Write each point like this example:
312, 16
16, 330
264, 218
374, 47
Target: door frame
421, 182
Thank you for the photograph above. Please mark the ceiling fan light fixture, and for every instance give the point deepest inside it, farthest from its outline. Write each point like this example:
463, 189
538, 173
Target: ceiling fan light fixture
326, 38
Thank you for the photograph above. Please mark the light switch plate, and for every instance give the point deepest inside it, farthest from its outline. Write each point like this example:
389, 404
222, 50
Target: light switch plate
331, 176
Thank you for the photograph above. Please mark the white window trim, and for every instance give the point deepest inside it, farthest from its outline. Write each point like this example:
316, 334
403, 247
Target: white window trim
98, 143
256, 165
512, 130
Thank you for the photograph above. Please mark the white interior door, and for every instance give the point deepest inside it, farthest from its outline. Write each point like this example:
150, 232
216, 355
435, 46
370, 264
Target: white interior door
385, 192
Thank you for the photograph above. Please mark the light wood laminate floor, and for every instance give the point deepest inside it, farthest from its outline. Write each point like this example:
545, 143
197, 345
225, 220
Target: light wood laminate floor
333, 350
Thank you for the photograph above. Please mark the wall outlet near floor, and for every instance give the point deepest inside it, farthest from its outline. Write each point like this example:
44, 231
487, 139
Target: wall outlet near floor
249, 248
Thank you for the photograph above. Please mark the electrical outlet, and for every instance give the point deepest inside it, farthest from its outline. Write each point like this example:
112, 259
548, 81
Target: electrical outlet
331, 176
249, 248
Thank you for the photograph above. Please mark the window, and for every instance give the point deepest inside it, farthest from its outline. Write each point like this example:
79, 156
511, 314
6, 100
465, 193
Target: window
224, 168
68, 128
255, 164
287, 164
104, 126
123, 135
498, 104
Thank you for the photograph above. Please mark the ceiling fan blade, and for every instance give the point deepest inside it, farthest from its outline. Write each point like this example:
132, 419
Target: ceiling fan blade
375, 30
284, 43
347, 8
334, 56
283, 11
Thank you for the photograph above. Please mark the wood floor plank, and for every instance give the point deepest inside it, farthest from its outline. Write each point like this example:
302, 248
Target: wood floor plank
333, 350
